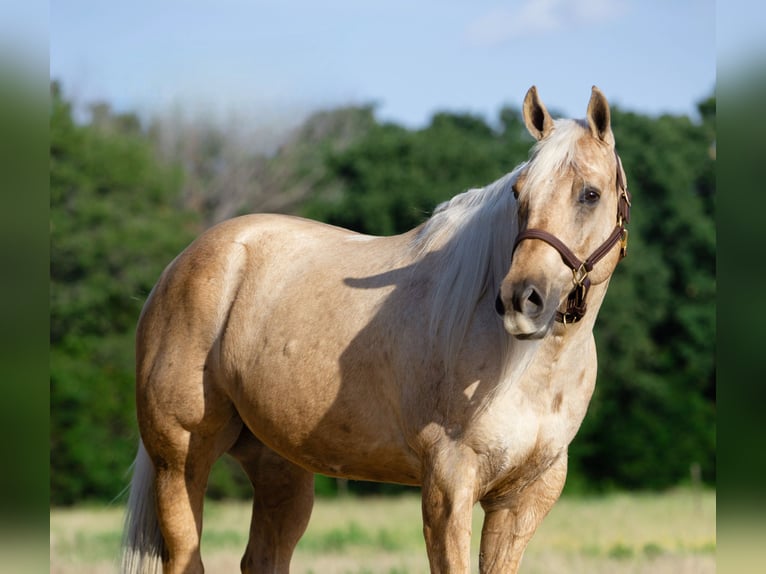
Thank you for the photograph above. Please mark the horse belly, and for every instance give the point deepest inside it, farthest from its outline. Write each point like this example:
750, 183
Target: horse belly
328, 425
316, 386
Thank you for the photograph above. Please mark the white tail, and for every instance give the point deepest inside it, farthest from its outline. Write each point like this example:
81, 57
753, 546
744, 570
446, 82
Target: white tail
142, 542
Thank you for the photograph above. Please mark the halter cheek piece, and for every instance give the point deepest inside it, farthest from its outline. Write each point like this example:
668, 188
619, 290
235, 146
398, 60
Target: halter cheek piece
575, 305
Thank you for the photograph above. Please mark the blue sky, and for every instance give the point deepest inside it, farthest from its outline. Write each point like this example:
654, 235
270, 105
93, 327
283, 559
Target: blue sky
266, 59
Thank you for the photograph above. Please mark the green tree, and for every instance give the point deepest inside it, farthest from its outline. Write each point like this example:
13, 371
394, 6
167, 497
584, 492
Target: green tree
392, 178
653, 412
114, 224
117, 217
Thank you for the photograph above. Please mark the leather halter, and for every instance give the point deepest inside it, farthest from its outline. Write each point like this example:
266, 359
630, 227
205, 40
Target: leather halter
575, 304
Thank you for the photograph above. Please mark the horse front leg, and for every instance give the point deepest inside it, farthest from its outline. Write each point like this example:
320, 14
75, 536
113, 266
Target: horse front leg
510, 523
448, 497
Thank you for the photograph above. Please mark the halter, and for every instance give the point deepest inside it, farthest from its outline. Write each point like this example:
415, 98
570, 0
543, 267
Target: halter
575, 305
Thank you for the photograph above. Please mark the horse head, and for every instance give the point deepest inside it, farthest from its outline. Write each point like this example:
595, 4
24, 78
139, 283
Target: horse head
573, 205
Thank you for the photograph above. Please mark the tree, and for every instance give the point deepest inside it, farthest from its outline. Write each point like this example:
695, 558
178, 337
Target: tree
122, 207
114, 223
653, 412
392, 178
231, 170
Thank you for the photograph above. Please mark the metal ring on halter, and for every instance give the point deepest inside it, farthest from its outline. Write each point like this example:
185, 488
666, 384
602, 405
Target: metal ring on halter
626, 195
579, 275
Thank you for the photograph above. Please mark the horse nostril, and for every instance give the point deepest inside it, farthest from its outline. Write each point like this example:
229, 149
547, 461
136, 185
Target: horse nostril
534, 297
530, 303
499, 306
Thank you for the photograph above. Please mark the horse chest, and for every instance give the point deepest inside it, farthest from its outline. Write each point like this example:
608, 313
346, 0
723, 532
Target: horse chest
521, 434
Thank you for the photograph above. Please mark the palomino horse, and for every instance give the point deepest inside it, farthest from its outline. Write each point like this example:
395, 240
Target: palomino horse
458, 356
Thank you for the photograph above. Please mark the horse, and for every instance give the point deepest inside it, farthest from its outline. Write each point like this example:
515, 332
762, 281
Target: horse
458, 357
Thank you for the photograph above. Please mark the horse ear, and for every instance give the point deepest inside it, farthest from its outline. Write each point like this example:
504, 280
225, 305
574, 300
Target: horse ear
599, 117
536, 117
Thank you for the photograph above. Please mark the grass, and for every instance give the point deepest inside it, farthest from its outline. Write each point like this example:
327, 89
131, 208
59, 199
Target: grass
674, 532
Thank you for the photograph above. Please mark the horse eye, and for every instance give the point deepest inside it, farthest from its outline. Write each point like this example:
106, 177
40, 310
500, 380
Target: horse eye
590, 195
515, 191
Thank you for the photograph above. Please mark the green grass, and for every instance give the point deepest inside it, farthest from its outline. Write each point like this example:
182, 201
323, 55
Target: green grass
668, 533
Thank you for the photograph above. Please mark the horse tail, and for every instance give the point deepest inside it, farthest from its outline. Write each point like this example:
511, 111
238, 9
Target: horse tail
142, 542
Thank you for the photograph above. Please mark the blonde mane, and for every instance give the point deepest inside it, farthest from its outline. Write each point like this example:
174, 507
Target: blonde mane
468, 240
471, 238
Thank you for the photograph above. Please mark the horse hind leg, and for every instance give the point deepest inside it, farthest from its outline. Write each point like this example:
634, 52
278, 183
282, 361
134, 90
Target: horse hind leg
283, 497
185, 427
179, 490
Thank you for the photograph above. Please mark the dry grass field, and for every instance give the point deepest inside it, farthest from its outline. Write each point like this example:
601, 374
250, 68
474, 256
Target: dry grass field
671, 533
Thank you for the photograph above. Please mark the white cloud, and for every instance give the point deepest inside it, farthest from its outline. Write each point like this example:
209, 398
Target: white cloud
532, 18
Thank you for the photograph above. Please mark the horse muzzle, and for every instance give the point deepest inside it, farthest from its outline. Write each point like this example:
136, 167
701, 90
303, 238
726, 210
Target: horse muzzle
527, 308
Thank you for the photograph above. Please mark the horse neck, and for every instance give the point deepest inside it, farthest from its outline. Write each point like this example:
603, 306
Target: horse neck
538, 364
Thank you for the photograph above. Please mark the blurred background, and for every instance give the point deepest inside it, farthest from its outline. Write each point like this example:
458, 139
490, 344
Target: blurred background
166, 118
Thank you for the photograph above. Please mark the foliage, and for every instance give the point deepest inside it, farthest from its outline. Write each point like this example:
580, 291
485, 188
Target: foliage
392, 178
230, 170
123, 205
653, 414
114, 224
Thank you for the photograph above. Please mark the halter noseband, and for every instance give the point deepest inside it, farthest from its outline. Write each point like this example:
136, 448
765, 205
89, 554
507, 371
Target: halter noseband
575, 305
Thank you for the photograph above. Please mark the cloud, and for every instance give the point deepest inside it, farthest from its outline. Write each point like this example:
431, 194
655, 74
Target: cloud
533, 18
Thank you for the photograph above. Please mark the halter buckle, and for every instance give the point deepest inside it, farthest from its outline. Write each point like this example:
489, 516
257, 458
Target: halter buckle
626, 196
579, 275
624, 243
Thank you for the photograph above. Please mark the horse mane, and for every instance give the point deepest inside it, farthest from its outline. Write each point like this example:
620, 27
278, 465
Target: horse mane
470, 239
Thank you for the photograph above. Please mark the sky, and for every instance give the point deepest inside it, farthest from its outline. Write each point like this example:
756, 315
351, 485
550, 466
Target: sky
275, 61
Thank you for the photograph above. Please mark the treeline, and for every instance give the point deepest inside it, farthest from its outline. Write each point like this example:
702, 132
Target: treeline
126, 198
